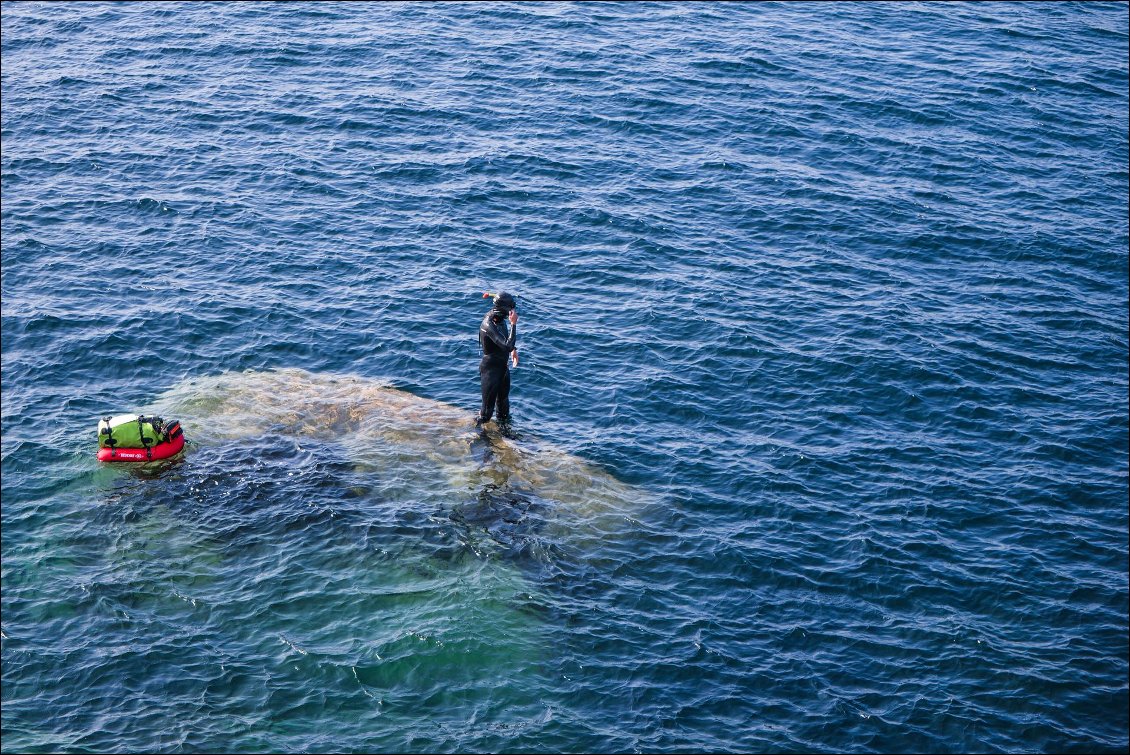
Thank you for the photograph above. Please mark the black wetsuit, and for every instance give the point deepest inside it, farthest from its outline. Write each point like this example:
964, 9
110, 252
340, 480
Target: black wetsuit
494, 369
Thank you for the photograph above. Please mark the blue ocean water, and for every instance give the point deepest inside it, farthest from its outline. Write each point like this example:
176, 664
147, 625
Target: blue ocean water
821, 412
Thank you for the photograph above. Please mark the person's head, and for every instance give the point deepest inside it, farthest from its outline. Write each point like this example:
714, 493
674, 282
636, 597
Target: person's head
504, 304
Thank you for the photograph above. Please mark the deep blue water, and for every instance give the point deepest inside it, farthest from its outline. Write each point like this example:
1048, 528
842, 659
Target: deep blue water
821, 409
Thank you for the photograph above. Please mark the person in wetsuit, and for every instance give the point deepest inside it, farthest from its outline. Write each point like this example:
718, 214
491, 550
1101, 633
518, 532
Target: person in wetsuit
498, 349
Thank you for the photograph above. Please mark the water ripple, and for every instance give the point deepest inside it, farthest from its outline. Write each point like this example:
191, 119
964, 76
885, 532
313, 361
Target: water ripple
821, 413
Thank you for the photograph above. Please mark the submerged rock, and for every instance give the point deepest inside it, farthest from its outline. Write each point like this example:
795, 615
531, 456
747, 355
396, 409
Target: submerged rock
409, 450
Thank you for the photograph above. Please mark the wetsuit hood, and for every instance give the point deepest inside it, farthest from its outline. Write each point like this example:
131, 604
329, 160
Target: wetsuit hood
504, 302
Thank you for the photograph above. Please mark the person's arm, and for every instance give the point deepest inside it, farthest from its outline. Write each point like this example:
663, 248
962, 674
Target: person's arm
513, 336
506, 344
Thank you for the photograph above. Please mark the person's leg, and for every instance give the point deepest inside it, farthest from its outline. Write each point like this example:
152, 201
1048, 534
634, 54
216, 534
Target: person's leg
490, 381
504, 396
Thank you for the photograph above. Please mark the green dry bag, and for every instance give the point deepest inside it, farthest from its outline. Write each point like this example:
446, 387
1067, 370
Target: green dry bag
131, 431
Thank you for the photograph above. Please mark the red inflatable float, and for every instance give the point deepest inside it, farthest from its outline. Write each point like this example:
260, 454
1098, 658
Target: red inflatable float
153, 453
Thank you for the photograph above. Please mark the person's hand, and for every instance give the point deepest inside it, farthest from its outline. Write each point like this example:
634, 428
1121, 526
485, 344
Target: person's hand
514, 357
513, 316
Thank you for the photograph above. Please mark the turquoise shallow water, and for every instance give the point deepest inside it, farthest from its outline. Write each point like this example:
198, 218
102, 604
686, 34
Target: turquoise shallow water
822, 403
